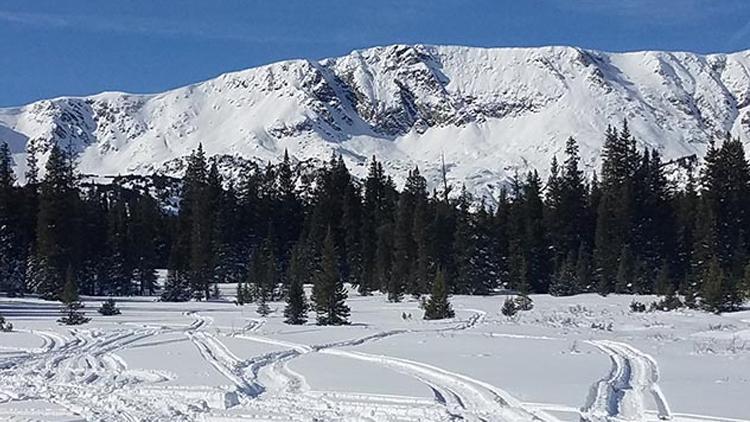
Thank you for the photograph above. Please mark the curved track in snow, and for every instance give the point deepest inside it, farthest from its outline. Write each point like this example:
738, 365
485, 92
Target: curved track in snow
621, 395
82, 373
459, 396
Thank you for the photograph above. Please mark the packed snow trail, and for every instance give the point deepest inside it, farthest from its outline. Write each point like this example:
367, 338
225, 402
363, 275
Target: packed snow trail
469, 398
461, 396
621, 394
83, 374
285, 392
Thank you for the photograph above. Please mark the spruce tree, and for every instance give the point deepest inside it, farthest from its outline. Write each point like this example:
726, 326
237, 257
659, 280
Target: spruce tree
403, 250
71, 310
55, 224
329, 293
12, 248
714, 289
262, 309
109, 308
295, 312
376, 217
176, 287
5, 326
615, 206
438, 306
420, 281
626, 272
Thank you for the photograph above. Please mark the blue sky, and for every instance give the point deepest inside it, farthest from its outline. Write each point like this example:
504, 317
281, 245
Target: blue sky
70, 47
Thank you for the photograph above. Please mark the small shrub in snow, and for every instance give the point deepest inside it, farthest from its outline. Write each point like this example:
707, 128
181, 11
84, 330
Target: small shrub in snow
603, 326
636, 306
510, 308
668, 303
5, 326
580, 310
109, 307
524, 303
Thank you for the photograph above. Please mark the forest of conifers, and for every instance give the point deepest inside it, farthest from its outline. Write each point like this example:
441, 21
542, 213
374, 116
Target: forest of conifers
626, 229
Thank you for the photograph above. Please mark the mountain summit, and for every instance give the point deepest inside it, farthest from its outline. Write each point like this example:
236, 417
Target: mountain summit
488, 112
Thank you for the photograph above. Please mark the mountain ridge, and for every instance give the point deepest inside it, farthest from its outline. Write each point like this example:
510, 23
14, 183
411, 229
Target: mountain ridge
488, 111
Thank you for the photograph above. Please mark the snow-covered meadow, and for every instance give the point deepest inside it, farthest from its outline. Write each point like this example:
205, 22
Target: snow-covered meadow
583, 356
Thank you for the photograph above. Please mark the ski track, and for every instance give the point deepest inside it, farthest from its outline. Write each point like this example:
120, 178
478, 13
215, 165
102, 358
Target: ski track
82, 373
621, 395
459, 396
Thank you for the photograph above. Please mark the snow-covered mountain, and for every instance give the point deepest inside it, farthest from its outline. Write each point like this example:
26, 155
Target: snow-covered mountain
487, 111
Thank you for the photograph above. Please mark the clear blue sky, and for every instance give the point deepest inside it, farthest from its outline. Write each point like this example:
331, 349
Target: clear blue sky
70, 47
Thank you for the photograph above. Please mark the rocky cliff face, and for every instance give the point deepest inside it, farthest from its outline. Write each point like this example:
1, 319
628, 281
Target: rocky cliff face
489, 112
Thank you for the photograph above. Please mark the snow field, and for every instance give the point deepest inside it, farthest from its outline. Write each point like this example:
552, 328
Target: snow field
215, 361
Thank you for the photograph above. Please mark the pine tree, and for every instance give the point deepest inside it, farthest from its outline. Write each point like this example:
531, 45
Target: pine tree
71, 310
565, 281
55, 224
376, 219
438, 306
329, 293
615, 206
240, 294
262, 309
403, 250
143, 234
109, 308
11, 246
626, 272
663, 285
176, 287
714, 288
5, 326
295, 312
352, 228
419, 281
32, 165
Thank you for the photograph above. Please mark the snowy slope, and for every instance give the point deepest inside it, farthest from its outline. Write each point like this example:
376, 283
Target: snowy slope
488, 111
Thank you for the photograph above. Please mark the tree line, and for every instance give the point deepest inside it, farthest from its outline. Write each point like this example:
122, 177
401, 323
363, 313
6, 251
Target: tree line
628, 228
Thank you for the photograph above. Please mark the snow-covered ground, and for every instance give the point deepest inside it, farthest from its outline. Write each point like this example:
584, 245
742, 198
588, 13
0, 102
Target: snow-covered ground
569, 358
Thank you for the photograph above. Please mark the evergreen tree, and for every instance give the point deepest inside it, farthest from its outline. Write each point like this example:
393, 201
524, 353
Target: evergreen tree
11, 247
32, 165
176, 287
329, 294
375, 215
262, 309
240, 296
5, 326
565, 280
615, 206
530, 265
295, 312
714, 289
109, 308
71, 310
403, 250
438, 306
626, 272
143, 234
419, 281
56, 224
